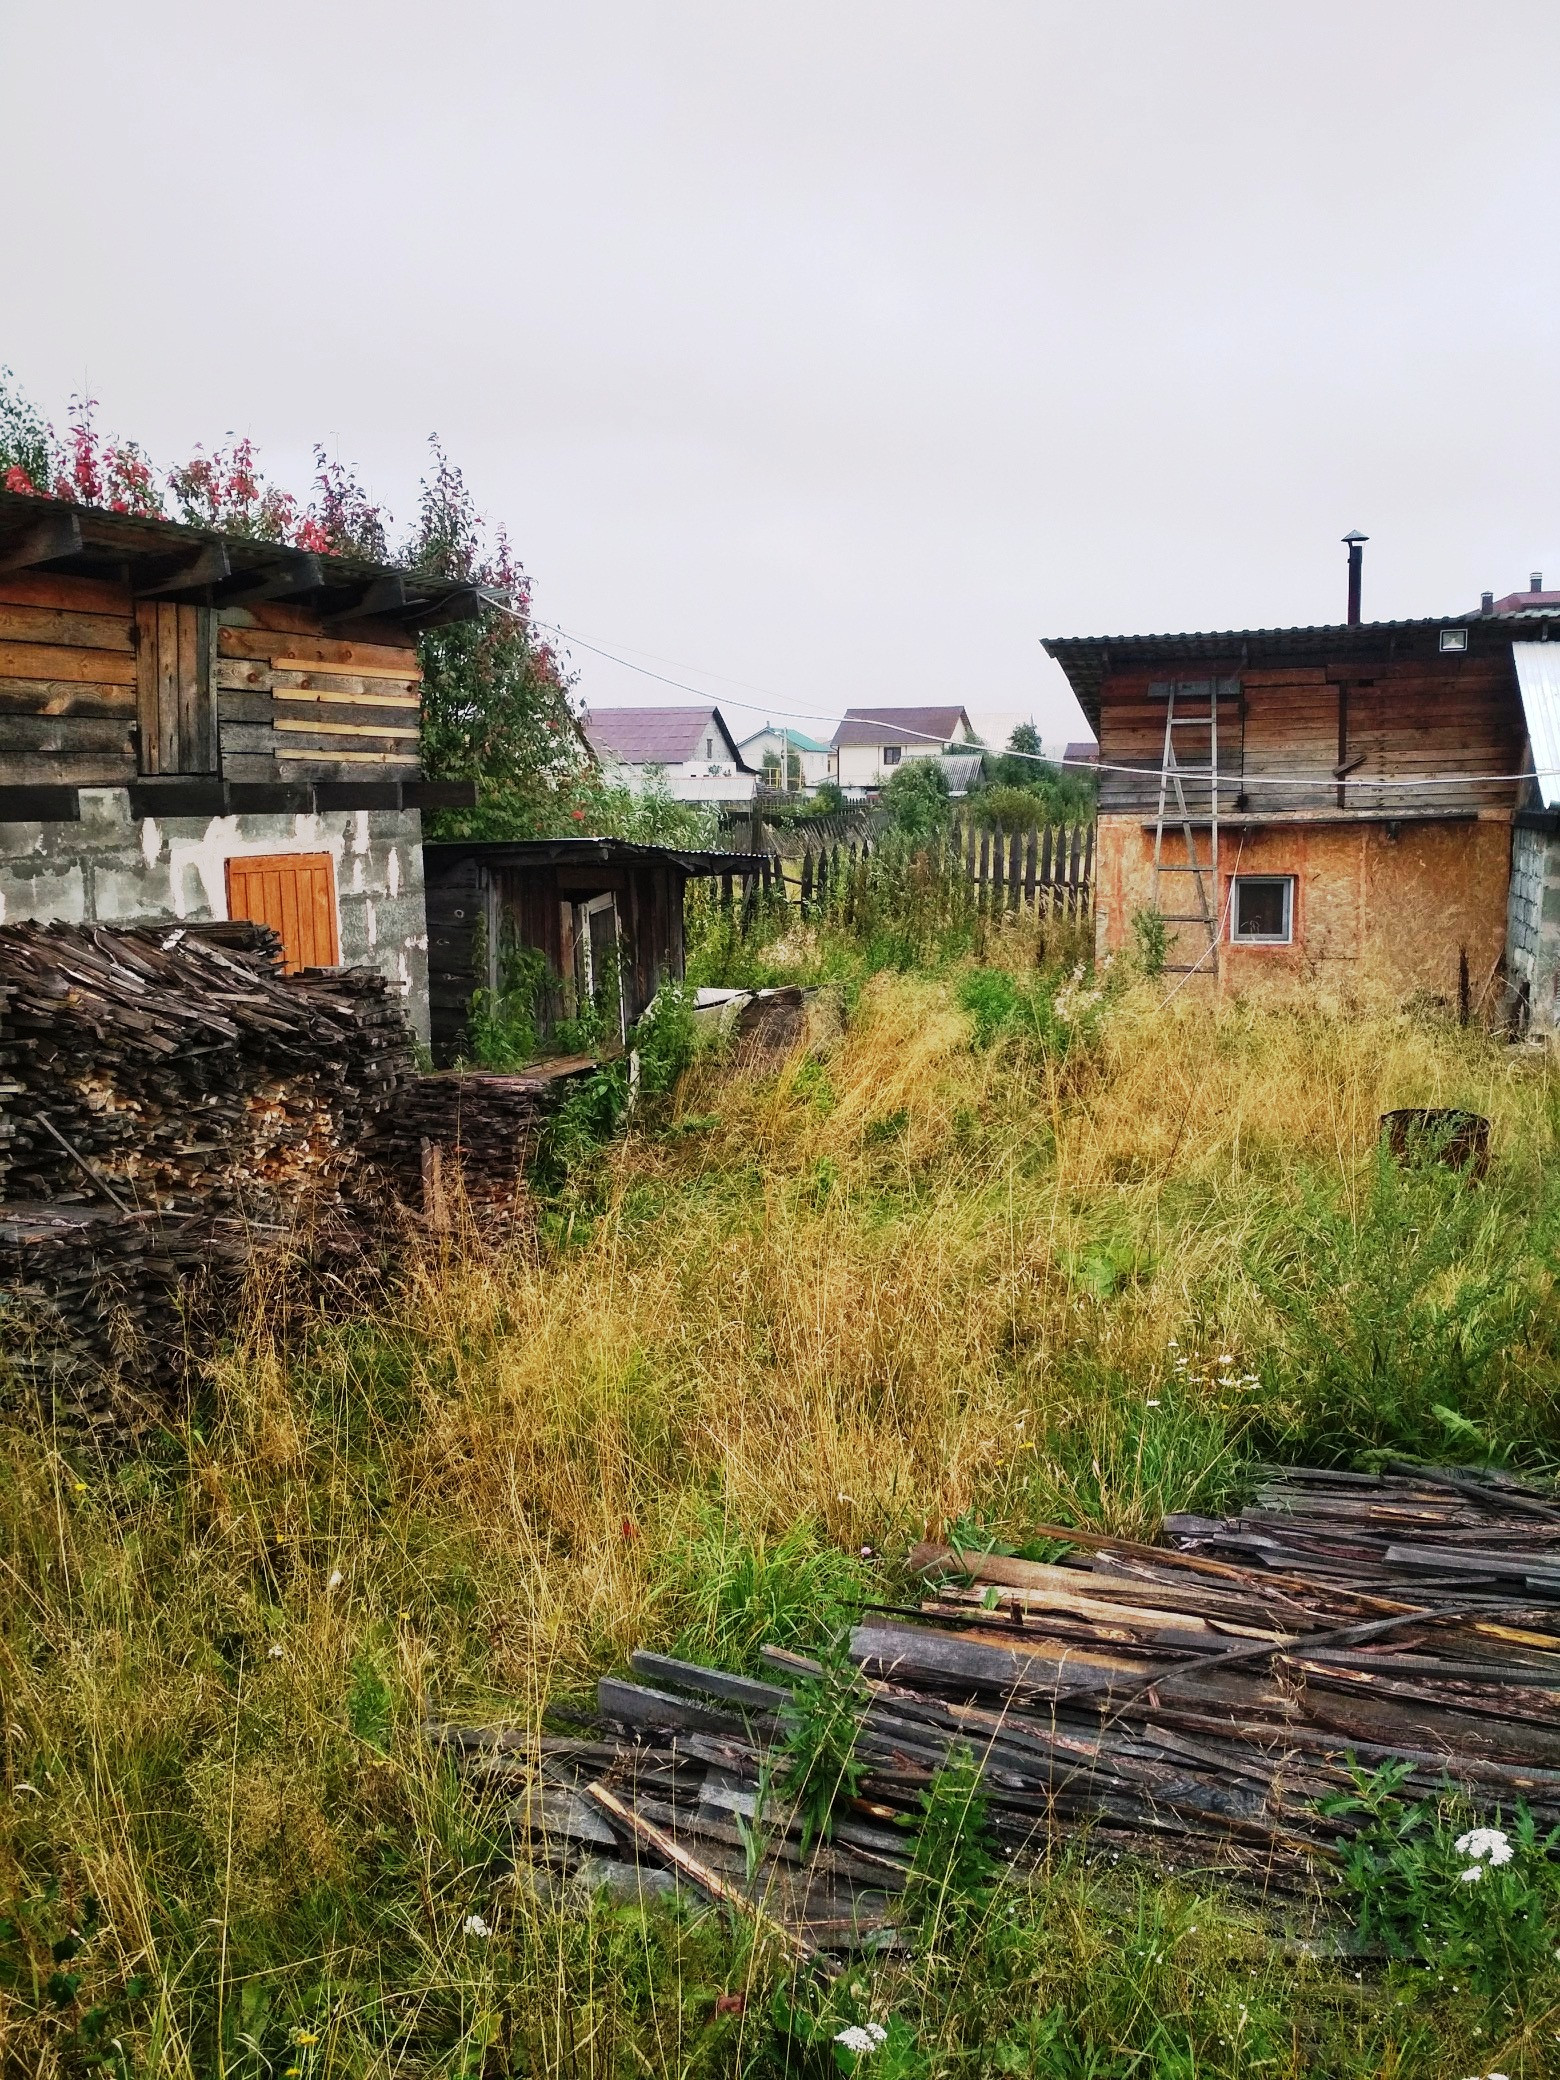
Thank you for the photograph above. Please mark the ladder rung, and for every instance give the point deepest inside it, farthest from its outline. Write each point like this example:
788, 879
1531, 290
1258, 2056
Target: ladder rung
1182, 917
1191, 722
1188, 968
1205, 868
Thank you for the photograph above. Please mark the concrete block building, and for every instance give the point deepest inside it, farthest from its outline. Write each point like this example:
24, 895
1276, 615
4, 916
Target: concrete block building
196, 727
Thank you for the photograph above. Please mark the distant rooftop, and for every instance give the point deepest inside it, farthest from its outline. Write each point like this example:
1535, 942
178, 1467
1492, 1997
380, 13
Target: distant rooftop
900, 726
660, 736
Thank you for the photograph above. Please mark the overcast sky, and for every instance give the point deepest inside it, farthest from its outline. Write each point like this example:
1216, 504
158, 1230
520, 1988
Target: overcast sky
832, 351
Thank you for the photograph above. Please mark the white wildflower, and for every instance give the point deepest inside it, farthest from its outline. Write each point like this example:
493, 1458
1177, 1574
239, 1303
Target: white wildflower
1151, 1404
862, 2037
1482, 1842
1472, 1874
474, 1925
335, 1579
275, 1653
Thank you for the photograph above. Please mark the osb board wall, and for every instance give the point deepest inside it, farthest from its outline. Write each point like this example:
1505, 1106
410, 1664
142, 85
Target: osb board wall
97, 689
1384, 724
1374, 914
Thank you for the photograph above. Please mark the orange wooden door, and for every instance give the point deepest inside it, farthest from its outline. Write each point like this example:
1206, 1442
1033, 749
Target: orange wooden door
295, 894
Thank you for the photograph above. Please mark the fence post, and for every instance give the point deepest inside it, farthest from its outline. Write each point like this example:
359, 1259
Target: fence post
1031, 844
806, 903
1047, 889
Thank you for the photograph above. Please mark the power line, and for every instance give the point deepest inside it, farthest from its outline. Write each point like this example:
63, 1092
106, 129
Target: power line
1145, 771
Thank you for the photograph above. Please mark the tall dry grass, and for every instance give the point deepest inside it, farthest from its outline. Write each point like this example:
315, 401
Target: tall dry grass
829, 1305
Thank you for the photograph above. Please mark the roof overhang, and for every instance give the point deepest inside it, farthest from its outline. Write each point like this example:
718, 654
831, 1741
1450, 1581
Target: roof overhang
1089, 661
587, 852
164, 560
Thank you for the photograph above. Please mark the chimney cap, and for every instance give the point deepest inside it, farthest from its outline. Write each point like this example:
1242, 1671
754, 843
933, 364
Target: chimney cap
1535, 581
1486, 602
1354, 535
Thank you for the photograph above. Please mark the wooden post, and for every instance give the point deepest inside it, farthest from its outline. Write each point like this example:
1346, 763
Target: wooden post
806, 903
1031, 847
1047, 889
1014, 850
985, 867
725, 893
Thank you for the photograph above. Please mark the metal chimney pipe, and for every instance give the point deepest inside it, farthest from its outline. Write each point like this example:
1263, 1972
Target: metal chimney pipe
1486, 602
1536, 581
1355, 542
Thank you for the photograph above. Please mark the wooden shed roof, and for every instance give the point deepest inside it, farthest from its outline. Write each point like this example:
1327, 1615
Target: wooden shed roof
164, 559
1089, 660
588, 852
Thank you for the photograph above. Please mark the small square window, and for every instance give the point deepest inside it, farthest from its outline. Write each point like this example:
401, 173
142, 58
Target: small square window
1263, 911
891, 754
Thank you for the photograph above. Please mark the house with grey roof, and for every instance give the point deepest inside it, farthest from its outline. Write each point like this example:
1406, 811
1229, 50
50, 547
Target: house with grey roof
871, 742
691, 750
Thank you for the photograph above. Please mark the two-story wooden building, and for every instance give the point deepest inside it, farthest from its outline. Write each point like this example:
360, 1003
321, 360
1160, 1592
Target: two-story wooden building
198, 726
1327, 809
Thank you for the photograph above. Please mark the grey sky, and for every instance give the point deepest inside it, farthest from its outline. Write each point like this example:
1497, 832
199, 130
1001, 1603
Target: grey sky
840, 349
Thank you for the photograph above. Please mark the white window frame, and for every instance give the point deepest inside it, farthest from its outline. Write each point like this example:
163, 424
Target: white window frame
1287, 937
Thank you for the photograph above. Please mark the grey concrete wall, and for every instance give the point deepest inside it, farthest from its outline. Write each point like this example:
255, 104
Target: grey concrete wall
114, 868
1533, 922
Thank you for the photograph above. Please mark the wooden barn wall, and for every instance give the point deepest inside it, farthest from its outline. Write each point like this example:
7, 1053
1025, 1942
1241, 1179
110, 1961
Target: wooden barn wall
456, 896
67, 683
1385, 724
296, 704
97, 689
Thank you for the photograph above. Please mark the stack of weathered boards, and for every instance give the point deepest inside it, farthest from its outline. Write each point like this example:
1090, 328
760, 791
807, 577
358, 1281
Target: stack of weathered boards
1197, 1698
168, 1099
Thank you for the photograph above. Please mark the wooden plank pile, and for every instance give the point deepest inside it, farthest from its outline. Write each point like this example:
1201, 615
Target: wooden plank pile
1196, 1699
170, 1102
457, 1146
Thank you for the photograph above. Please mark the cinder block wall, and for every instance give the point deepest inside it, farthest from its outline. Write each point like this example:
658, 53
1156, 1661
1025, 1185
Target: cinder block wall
113, 868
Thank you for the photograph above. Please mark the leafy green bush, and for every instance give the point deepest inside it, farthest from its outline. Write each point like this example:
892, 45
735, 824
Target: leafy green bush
1478, 1903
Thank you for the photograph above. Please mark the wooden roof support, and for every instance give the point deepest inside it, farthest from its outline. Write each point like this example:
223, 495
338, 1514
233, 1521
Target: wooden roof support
174, 576
301, 573
52, 534
380, 596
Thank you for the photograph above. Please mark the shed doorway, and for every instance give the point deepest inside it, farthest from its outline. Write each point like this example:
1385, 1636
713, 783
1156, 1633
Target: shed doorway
295, 894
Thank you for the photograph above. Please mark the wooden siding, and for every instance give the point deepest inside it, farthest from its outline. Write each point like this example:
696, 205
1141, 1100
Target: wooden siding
98, 689
297, 705
1379, 727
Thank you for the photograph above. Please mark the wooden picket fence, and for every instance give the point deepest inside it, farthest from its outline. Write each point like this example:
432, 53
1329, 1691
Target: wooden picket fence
1047, 869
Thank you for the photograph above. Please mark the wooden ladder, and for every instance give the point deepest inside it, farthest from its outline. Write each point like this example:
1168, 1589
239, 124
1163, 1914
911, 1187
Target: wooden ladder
1198, 703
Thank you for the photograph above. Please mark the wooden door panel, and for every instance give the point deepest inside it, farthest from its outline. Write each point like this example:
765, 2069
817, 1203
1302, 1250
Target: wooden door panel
295, 894
175, 678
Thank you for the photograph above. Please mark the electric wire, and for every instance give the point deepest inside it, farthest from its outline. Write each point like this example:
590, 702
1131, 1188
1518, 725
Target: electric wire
1404, 783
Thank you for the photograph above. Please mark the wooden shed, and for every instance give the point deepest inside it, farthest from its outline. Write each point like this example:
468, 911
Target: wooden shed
1311, 809
603, 914
196, 726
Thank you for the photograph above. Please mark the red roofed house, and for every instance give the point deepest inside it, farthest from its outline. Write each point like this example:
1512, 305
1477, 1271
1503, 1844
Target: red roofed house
692, 749
871, 742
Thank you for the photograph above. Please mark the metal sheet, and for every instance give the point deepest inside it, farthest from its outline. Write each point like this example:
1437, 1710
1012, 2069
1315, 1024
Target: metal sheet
1538, 677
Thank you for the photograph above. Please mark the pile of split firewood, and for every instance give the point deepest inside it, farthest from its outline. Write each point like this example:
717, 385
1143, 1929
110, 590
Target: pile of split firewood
1197, 1699
170, 1103
458, 1146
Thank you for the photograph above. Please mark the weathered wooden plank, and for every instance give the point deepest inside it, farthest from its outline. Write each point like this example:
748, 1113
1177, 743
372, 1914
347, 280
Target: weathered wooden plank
69, 769
64, 733
32, 588
51, 661
66, 630
308, 653
360, 690
64, 697
315, 726
299, 672
146, 685
312, 713
406, 760
167, 623
714, 1682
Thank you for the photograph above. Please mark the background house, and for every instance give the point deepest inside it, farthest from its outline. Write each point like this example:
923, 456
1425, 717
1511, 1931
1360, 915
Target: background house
196, 727
1358, 834
773, 750
871, 742
692, 749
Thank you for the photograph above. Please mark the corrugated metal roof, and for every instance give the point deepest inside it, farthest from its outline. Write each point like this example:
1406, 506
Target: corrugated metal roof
1538, 679
660, 736
794, 737
897, 725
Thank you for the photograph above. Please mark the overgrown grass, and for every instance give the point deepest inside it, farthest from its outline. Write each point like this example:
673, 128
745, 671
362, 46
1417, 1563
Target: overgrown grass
951, 1270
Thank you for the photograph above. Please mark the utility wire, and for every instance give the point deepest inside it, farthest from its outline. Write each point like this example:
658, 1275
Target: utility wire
1408, 782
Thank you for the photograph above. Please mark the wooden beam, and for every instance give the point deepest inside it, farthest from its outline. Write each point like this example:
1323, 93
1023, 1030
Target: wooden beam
50, 536
300, 573
466, 605
165, 577
379, 596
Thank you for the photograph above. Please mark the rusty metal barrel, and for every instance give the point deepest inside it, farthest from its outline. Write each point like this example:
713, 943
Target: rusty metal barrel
1441, 1134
